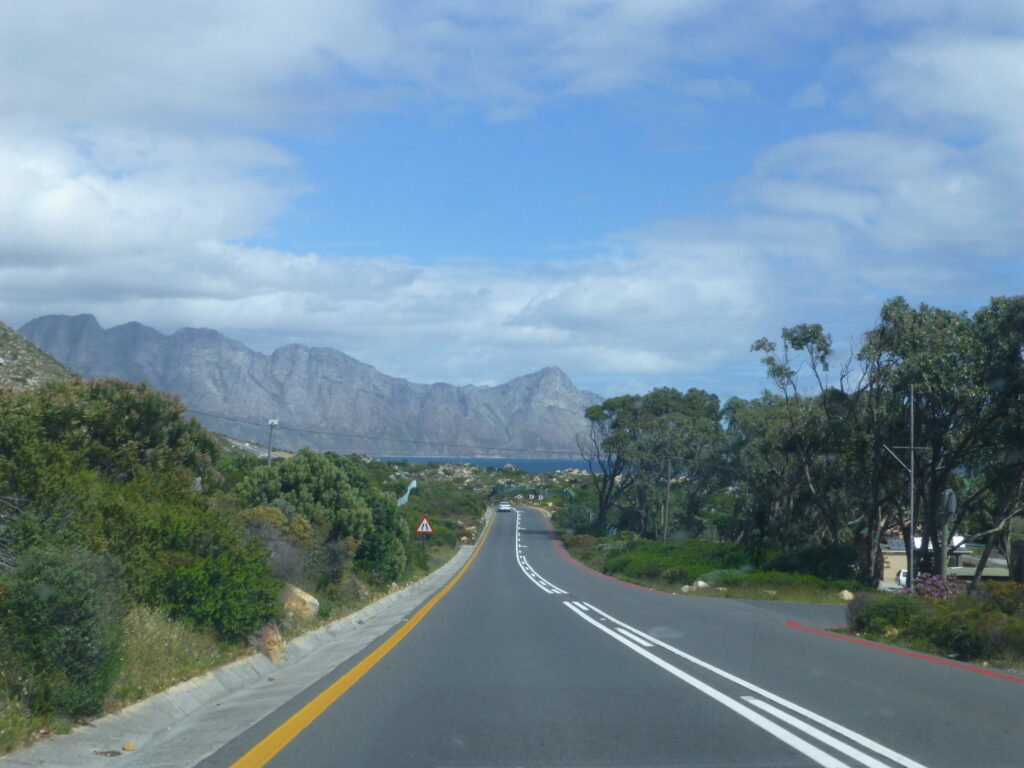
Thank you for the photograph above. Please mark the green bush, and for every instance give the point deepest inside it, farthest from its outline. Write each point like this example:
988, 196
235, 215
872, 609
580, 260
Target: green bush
638, 558
964, 627
875, 613
971, 629
231, 591
832, 562
61, 618
1004, 596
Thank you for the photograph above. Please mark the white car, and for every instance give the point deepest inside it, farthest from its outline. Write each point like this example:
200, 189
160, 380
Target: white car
504, 506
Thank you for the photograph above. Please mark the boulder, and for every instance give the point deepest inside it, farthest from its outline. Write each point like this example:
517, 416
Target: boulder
298, 604
698, 584
846, 594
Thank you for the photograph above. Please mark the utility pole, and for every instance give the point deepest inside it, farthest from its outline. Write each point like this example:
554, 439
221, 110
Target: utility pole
668, 491
910, 470
270, 440
910, 558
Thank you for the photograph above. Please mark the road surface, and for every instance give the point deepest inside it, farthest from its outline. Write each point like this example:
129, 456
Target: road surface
531, 660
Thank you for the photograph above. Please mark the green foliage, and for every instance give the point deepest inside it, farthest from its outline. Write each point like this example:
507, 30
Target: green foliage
382, 553
683, 562
109, 466
330, 506
60, 616
804, 470
964, 627
230, 590
830, 562
323, 487
575, 516
875, 612
1005, 597
776, 580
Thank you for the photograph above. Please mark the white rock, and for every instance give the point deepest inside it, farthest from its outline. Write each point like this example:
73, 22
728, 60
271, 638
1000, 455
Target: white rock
300, 604
846, 594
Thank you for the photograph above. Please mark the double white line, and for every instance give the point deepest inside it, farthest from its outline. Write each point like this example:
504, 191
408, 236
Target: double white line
774, 714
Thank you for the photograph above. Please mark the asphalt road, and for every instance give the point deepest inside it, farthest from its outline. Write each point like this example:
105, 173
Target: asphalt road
530, 659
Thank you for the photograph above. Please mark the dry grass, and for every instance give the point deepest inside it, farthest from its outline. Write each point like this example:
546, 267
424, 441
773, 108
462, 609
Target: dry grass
159, 652
18, 726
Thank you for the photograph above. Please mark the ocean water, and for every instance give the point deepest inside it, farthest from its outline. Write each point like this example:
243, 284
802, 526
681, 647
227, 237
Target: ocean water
534, 465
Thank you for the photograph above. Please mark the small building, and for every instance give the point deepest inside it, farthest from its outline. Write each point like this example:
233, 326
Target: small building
894, 557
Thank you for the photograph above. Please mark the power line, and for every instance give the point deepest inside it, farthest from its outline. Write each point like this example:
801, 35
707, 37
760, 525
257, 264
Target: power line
380, 438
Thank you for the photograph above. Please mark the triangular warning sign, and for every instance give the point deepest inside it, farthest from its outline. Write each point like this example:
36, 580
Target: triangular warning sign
424, 526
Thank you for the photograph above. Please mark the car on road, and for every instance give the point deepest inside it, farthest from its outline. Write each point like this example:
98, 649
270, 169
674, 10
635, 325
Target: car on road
504, 506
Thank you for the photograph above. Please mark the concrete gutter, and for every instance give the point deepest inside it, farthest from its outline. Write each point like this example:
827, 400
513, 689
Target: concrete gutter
191, 720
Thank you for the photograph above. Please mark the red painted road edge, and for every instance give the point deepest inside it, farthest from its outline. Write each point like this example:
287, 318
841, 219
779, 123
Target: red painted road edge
578, 564
904, 652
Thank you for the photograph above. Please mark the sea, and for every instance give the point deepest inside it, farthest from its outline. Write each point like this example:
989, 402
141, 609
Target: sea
534, 465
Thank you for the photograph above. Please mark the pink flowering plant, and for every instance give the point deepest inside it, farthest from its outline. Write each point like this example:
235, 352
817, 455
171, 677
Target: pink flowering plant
934, 586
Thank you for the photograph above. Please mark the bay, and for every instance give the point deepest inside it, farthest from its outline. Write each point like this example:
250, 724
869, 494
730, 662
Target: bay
534, 465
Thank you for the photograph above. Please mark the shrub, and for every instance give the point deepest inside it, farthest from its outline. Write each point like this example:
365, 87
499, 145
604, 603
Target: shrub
875, 613
61, 619
232, 591
576, 516
1004, 596
633, 557
832, 562
775, 579
935, 587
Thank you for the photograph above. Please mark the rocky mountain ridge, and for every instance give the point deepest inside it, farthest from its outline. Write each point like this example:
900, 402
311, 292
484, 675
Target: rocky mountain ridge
322, 397
23, 365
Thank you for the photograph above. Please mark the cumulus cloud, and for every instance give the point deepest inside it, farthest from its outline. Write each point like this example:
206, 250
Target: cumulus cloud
141, 155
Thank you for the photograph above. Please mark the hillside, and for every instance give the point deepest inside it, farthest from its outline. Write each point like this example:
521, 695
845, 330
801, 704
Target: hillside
322, 397
23, 365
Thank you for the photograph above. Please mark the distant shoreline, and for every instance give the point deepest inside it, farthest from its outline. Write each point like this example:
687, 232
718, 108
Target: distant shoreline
527, 464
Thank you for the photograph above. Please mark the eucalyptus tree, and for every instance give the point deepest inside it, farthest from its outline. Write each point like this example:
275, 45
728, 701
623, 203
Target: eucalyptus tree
813, 426
996, 474
607, 447
965, 375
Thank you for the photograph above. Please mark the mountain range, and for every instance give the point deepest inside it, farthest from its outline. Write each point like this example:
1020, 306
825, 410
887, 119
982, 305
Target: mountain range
323, 398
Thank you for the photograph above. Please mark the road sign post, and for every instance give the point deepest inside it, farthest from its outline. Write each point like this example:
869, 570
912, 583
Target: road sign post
424, 530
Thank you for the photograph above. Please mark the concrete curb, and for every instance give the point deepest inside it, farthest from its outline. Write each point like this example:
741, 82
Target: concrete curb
147, 722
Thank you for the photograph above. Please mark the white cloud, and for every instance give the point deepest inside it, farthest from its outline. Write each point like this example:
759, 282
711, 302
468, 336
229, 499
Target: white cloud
135, 169
810, 96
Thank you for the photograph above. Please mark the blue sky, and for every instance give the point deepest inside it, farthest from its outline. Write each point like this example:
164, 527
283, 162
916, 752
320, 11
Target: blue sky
463, 191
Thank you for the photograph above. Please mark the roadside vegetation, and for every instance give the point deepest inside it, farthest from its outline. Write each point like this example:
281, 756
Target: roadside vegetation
808, 464
789, 496
939, 618
136, 552
816, 574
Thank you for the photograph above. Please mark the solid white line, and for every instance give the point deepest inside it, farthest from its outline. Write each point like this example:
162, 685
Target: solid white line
804, 747
820, 735
864, 741
635, 638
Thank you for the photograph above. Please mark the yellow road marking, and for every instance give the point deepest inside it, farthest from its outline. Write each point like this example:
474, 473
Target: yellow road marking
277, 739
